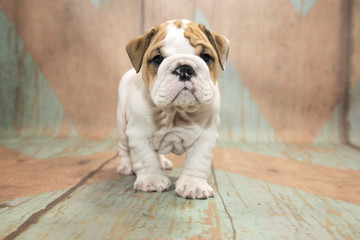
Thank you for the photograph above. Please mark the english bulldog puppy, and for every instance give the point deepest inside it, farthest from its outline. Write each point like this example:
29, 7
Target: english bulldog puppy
170, 102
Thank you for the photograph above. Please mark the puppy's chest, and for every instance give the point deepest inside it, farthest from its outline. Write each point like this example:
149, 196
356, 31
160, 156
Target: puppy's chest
176, 133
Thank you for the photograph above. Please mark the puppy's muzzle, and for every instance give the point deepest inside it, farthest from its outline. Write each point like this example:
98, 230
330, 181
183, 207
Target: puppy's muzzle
184, 72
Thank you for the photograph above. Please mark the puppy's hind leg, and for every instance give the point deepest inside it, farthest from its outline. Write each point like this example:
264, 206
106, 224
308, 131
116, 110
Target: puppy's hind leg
165, 163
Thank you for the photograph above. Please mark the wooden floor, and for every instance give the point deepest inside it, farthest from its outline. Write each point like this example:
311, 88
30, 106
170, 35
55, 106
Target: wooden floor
263, 191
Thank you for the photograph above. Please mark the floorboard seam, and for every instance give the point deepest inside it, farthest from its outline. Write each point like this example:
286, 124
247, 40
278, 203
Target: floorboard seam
224, 205
37, 215
354, 147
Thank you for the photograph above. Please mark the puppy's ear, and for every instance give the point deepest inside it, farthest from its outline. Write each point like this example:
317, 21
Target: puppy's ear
137, 47
220, 43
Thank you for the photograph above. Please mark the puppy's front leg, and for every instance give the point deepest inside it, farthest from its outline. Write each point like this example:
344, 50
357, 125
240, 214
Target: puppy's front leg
193, 180
149, 176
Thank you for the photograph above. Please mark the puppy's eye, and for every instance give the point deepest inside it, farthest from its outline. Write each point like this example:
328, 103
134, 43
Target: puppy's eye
206, 57
157, 60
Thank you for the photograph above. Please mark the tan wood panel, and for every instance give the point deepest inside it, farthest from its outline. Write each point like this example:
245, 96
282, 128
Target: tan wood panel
337, 183
292, 66
81, 52
355, 44
22, 175
353, 115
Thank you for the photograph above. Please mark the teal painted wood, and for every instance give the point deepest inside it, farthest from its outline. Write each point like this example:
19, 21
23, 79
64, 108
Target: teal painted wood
99, 4
241, 118
28, 106
258, 210
262, 210
303, 6
330, 132
30, 109
354, 114
14, 212
334, 155
52, 147
112, 210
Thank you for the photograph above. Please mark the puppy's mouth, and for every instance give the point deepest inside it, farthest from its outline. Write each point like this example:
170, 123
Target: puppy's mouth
192, 91
184, 98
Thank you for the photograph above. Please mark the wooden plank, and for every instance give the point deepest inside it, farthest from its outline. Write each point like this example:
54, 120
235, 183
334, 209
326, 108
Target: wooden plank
355, 45
354, 116
51, 148
29, 106
184, 9
337, 183
169, 11
22, 175
81, 53
260, 210
354, 76
14, 212
292, 69
334, 155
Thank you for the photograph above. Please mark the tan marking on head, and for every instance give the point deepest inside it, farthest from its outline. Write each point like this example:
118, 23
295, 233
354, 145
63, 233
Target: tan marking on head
213, 44
200, 42
178, 23
220, 44
149, 70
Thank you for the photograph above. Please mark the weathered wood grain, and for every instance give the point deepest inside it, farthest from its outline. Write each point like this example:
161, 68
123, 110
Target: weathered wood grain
353, 116
355, 44
343, 184
22, 175
291, 65
81, 52
334, 155
112, 210
261, 210
14, 212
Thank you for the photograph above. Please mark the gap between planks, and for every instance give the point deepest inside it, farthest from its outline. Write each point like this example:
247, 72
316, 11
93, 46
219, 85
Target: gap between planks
223, 203
37, 215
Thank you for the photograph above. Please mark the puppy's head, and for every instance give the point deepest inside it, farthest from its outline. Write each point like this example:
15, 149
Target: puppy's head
179, 61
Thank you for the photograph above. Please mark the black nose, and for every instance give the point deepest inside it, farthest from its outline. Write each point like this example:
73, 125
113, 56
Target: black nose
185, 72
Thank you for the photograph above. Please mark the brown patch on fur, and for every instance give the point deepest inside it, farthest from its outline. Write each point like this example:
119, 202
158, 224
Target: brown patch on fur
178, 23
149, 71
201, 43
138, 46
222, 45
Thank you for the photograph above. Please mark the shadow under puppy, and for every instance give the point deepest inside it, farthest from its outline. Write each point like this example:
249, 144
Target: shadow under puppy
170, 102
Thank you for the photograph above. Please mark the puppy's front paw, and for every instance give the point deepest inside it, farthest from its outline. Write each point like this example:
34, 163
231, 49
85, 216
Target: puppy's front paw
152, 182
193, 187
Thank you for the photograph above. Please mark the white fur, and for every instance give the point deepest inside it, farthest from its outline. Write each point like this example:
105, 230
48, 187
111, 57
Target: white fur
154, 121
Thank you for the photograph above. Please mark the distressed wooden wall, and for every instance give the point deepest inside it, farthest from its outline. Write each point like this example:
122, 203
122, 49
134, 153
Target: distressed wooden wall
292, 76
